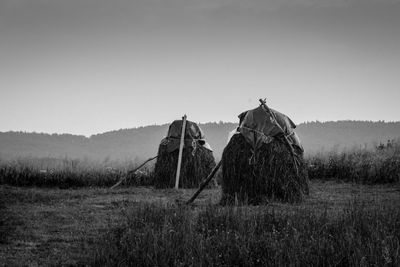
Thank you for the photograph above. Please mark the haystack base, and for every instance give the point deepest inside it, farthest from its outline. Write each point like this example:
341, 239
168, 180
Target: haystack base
272, 176
194, 168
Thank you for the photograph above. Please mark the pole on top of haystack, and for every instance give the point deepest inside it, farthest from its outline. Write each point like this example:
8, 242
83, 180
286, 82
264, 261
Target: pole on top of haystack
178, 168
285, 138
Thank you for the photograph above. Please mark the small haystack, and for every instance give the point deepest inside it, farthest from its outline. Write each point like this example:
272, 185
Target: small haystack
257, 163
197, 157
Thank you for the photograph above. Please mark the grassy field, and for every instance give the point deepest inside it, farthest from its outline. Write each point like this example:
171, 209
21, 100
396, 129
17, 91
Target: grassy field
378, 166
339, 223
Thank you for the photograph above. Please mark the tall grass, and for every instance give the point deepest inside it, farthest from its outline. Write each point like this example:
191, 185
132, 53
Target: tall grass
213, 236
69, 173
381, 165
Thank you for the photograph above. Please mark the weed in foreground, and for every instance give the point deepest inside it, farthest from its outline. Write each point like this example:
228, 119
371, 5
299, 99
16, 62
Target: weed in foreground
153, 235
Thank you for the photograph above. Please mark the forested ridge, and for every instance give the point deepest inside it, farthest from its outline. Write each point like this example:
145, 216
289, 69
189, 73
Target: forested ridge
142, 142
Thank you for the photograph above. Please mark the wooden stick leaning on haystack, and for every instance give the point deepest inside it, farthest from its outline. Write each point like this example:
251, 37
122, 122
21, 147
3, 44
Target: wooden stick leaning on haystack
285, 139
123, 178
204, 183
178, 168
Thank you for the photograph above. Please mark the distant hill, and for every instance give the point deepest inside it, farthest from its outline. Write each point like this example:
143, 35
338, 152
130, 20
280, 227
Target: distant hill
140, 143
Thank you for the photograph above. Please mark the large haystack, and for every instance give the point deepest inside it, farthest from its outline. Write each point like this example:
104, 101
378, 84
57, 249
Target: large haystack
257, 163
197, 157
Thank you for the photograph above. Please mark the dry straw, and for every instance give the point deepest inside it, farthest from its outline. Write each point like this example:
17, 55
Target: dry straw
195, 167
272, 175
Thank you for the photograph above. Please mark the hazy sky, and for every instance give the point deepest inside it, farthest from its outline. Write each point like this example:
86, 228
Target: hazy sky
89, 66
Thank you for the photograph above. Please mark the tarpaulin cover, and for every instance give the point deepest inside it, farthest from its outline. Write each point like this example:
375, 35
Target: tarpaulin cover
257, 127
193, 136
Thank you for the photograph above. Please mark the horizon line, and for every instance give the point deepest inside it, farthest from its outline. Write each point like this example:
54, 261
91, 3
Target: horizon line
163, 124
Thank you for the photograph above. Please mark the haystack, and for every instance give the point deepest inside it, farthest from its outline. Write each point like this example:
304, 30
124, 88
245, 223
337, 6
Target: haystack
197, 157
259, 165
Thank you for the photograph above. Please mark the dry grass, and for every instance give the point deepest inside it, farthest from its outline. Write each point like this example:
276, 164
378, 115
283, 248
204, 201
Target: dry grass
56, 227
358, 165
69, 173
271, 176
193, 170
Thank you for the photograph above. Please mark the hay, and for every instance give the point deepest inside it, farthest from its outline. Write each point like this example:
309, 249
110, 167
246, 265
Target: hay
271, 177
193, 170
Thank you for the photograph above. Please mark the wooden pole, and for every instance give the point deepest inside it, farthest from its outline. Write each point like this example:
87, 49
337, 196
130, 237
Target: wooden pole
132, 171
178, 169
205, 182
275, 122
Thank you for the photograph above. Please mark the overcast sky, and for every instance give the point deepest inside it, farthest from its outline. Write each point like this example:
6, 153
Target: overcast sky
90, 66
